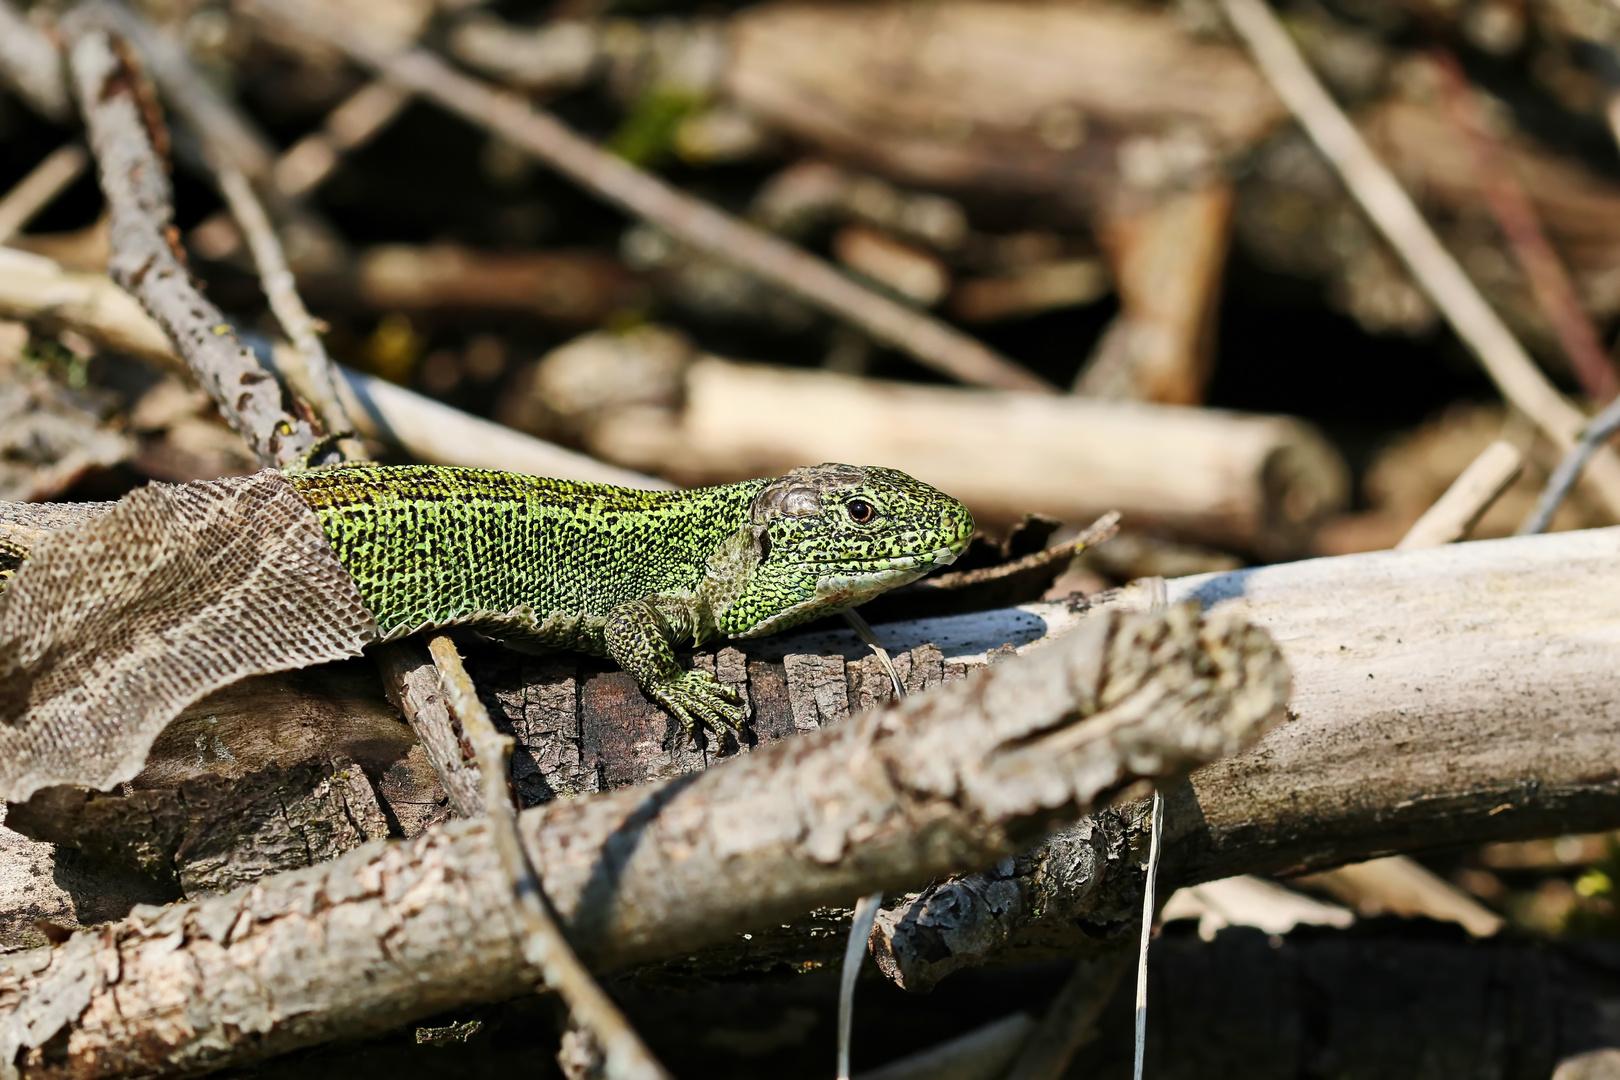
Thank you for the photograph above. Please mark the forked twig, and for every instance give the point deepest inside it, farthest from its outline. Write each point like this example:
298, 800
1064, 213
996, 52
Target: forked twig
282, 292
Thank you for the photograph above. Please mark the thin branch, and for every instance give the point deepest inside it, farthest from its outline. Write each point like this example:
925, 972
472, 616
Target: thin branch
1389, 207
227, 133
352, 124
1549, 281
125, 134
412, 684
688, 219
1454, 515
625, 1057
282, 292
40, 187
32, 65
1599, 431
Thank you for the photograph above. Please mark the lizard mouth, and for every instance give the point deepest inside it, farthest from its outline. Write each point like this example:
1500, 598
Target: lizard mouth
851, 583
848, 568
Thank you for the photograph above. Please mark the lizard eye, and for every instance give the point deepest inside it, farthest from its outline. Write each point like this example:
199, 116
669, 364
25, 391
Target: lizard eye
861, 511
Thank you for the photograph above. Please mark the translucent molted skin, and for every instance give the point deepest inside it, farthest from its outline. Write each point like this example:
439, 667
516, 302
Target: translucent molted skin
627, 573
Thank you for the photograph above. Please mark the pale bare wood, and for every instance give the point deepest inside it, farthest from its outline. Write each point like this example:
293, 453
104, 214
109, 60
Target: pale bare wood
413, 685
1256, 483
1443, 697
31, 64
43, 183
1454, 514
1397, 885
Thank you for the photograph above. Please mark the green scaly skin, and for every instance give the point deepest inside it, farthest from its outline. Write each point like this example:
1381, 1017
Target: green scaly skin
624, 573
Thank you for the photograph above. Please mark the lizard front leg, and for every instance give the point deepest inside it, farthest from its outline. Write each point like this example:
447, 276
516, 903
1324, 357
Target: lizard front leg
640, 637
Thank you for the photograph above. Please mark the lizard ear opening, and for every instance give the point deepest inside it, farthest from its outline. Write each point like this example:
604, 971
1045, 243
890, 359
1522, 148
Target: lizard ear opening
762, 542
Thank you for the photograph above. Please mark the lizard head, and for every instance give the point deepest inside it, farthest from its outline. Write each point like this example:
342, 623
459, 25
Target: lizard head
828, 537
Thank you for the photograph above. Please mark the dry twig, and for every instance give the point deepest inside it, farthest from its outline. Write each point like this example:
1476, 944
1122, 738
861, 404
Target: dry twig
1392, 211
688, 219
1549, 281
32, 65
128, 139
44, 183
280, 289
230, 137
413, 686
625, 1057
1454, 515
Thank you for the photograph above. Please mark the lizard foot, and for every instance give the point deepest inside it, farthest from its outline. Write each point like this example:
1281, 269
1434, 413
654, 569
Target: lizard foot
698, 699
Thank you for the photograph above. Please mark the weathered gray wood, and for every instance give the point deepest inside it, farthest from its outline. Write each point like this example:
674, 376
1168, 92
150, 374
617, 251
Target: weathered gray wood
1447, 696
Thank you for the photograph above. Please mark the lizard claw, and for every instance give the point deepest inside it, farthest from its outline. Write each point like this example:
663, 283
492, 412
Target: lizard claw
698, 699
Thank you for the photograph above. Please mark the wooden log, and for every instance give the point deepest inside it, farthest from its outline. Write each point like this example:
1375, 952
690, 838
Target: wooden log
1443, 697
956, 777
1488, 716
1254, 483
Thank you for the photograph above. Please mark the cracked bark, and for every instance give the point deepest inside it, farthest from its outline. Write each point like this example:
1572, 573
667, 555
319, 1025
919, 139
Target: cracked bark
393, 931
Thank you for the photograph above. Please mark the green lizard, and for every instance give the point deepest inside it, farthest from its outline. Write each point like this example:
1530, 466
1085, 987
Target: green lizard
625, 573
